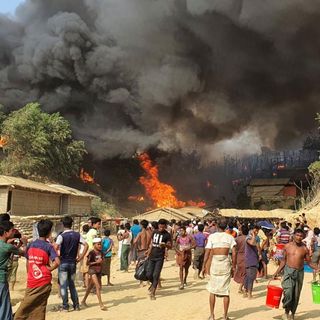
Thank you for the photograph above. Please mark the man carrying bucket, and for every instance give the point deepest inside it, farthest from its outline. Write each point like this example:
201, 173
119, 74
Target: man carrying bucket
295, 253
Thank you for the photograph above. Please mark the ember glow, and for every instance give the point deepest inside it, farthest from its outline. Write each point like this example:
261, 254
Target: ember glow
3, 141
86, 177
136, 198
161, 194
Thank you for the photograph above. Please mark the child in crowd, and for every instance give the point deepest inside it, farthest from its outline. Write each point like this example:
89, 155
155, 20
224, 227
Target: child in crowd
94, 261
83, 263
107, 245
39, 254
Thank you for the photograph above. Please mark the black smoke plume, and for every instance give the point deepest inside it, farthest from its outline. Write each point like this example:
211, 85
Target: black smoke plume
208, 76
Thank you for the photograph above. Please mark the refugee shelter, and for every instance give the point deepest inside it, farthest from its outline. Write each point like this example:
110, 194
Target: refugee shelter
272, 193
182, 214
23, 197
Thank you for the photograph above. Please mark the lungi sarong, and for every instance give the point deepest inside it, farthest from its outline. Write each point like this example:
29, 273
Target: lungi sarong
142, 254
220, 275
5, 304
184, 258
33, 306
124, 261
106, 266
292, 282
198, 258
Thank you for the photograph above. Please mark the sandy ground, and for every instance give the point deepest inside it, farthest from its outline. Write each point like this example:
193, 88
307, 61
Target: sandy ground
127, 301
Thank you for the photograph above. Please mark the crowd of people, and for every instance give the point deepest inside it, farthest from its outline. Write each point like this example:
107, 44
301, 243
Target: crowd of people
220, 248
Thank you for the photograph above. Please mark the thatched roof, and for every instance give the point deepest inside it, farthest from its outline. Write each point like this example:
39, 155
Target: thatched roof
270, 182
187, 213
20, 183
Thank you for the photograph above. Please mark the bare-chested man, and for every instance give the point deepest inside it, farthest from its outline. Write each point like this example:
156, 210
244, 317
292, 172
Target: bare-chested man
295, 253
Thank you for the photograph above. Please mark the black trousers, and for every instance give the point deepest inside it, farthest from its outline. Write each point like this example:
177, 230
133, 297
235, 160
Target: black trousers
153, 271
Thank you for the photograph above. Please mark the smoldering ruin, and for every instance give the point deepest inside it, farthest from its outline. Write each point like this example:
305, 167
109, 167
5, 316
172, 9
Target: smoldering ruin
187, 77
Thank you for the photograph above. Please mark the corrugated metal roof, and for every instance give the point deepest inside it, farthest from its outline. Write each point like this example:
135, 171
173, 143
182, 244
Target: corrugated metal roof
16, 182
270, 182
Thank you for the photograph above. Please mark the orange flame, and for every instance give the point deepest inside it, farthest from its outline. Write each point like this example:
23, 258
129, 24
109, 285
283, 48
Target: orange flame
85, 177
136, 198
161, 194
3, 141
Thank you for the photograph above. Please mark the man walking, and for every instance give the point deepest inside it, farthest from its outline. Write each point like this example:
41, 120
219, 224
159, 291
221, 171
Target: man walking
295, 253
161, 239
68, 242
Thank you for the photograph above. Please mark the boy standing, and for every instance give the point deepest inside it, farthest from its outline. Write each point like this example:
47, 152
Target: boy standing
39, 254
107, 245
95, 260
94, 231
6, 249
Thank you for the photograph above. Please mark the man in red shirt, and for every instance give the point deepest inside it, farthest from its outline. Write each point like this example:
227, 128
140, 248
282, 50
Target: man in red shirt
39, 254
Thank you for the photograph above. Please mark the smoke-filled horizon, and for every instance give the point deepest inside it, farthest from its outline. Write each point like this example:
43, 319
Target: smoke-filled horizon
186, 75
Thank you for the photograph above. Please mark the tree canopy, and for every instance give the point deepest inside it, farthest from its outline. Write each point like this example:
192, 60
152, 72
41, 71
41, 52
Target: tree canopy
101, 208
39, 145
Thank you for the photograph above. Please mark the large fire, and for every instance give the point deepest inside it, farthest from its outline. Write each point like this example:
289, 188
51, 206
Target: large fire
85, 177
161, 194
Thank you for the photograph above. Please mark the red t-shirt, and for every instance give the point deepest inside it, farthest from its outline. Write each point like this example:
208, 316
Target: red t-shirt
39, 253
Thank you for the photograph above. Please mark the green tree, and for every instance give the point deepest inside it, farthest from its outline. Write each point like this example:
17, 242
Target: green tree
40, 146
100, 208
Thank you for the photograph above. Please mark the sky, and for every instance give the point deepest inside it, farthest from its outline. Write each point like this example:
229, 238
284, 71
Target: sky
9, 6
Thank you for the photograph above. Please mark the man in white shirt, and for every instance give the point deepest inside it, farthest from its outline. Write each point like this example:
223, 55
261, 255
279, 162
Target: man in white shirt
222, 266
126, 238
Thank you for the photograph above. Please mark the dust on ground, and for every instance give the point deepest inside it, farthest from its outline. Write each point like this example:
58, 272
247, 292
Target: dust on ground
127, 301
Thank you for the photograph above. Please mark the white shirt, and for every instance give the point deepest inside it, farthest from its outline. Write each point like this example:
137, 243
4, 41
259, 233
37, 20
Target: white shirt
220, 240
60, 238
127, 241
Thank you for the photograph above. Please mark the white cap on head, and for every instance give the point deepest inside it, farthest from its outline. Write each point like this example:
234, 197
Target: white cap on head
96, 240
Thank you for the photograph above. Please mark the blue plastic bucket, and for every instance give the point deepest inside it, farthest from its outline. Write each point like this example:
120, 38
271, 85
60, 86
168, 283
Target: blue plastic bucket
307, 269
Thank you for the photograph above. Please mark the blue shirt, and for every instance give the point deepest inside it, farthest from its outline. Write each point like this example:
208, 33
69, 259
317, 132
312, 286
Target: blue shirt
200, 239
135, 230
106, 244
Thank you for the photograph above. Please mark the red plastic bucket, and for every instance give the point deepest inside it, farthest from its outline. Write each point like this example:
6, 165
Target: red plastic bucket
274, 294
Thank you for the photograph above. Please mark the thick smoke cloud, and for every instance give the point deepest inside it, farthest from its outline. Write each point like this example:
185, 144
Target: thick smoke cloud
204, 75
